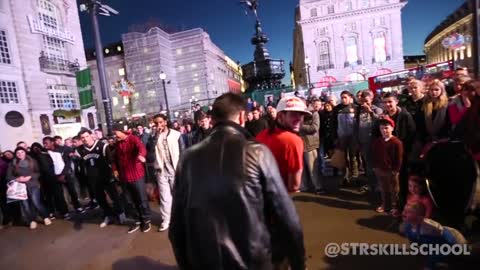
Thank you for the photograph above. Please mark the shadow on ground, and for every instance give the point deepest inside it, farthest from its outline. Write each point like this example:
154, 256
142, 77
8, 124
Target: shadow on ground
332, 202
140, 263
382, 222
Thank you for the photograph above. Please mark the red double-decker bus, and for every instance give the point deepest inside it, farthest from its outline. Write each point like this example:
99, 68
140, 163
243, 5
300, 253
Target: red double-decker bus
395, 81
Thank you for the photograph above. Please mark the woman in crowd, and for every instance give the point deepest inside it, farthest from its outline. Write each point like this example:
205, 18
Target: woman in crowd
460, 104
434, 122
327, 129
24, 169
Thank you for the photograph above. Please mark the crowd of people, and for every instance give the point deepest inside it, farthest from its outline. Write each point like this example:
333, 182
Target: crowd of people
233, 169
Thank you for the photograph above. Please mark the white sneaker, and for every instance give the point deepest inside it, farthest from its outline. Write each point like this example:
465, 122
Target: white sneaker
105, 222
47, 221
33, 225
163, 227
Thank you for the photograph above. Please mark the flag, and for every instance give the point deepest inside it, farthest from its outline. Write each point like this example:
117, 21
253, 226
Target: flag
84, 85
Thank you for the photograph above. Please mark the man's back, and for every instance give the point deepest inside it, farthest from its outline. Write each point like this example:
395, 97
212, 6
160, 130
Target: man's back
227, 192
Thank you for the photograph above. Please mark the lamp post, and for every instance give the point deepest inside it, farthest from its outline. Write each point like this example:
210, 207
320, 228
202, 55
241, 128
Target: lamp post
364, 71
94, 7
307, 68
163, 77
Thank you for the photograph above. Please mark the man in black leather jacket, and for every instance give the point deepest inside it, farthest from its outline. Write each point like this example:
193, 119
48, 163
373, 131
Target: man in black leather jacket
230, 208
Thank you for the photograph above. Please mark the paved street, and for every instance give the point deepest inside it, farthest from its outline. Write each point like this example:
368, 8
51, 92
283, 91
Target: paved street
343, 216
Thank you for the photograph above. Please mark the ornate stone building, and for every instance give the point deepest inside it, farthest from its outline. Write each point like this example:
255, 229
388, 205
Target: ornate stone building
346, 40
41, 50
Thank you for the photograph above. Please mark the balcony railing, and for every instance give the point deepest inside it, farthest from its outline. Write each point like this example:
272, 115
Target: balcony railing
37, 27
58, 66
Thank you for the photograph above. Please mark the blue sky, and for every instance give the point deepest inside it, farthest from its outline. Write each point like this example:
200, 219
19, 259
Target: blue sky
231, 30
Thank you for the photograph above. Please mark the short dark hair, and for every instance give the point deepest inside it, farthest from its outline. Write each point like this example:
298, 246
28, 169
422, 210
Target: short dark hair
367, 93
390, 95
139, 125
200, 115
48, 138
84, 130
161, 115
346, 92
461, 68
20, 142
76, 138
58, 137
255, 109
228, 105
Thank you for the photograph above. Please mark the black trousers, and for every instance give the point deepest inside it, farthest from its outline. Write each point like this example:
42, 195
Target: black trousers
107, 185
139, 198
53, 196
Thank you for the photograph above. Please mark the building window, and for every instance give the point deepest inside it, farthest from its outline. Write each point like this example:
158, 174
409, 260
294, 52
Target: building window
323, 55
8, 92
121, 72
4, 51
194, 65
61, 99
351, 50
313, 12
379, 46
47, 13
331, 9
55, 49
348, 6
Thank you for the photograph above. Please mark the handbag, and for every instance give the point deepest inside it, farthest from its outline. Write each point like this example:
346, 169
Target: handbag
338, 159
16, 191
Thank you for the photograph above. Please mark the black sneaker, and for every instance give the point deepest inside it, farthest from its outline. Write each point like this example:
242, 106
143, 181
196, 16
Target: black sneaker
135, 227
146, 227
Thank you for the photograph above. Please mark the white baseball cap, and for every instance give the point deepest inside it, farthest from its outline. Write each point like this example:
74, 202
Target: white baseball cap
292, 104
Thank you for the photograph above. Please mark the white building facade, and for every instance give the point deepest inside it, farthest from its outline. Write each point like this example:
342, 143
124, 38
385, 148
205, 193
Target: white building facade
194, 67
41, 49
347, 40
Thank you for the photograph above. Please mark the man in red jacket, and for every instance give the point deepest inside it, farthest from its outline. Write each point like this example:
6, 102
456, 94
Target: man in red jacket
128, 166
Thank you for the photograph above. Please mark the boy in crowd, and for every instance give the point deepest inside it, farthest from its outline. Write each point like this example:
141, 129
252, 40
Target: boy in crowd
387, 161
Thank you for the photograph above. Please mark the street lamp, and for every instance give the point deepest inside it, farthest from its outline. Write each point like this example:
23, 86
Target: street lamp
307, 68
192, 101
94, 7
364, 71
163, 77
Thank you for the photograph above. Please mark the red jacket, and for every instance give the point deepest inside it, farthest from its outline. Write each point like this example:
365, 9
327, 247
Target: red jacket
387, 155
126, 162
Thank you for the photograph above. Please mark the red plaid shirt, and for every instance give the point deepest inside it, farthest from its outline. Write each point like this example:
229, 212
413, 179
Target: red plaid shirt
130, 169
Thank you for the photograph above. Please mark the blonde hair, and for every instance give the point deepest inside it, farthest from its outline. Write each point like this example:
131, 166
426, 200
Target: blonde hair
432, 103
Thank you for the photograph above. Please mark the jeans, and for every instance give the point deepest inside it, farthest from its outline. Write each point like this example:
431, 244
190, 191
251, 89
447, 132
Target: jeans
321, 159
165, 188
107, 185
138, 194
72, 191
33, 205
366, 151
310, 175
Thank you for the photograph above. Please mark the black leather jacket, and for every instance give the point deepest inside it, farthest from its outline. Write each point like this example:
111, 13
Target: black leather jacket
230, 207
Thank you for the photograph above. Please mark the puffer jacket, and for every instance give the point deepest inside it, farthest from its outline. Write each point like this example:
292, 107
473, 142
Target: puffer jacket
230, 206
309, 132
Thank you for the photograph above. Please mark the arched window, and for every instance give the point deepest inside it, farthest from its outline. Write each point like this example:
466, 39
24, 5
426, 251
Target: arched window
323, 55
351, 50
379, 47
